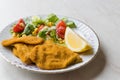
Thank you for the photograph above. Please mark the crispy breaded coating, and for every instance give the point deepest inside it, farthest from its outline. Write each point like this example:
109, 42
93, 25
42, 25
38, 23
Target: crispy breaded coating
26, 40
22, 51
52, 56
45, 54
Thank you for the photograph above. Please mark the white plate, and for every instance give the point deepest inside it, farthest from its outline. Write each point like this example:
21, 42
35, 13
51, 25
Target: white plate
82, 29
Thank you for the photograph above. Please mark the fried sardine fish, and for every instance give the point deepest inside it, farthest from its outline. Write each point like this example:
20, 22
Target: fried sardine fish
22, 51
26, 40
22, 46
52, 56
45, 54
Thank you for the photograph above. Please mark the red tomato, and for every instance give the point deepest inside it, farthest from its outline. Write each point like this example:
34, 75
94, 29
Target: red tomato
60, 30
61, 23
19, 27
21, 21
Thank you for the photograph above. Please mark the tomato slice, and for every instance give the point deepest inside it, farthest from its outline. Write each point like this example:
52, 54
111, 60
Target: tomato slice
61, 23
21, 21
19, 27
60, 30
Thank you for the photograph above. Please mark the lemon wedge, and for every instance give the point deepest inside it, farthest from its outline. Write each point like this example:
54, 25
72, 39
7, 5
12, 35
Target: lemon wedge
75, 42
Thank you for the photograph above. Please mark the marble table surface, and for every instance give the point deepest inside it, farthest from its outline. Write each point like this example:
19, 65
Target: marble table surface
102, 15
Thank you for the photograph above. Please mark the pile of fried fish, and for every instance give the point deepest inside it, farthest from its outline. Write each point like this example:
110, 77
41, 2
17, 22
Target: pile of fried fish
45, 54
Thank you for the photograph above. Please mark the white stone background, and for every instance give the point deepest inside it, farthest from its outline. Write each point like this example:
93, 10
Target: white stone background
102, 15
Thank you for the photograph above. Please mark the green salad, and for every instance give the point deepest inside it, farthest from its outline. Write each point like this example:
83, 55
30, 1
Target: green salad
51, 27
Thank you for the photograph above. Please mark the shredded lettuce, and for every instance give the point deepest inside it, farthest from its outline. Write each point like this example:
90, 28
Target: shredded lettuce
28, 29
71, 24
42, 34
36, 20
52, 18
53, 35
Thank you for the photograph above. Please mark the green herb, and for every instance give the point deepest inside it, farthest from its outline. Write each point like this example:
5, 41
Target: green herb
52, 18
28, 29
27, 20
42, 34
53, 35
36, 20
71, 24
